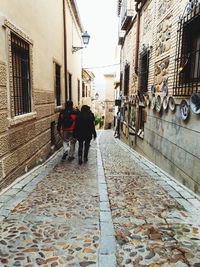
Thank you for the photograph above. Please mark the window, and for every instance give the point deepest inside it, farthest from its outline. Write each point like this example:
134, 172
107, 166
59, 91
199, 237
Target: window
21, 75
143, 72
86, 91
79, 92
58, 89
187, 64
126, 79
70, 86
83, 89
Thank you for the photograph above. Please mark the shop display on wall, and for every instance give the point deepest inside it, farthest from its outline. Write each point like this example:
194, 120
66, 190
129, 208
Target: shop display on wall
152, 89
195, 103
164, 89
153, 101
172, 104
158, 104
165, 103
184, 109
147, 100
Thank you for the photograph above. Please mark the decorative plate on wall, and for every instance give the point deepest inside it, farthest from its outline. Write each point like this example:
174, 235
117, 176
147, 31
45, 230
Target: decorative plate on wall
172, 104
165, 103
195, 103
184, 110
152, 89
158, 104
153, 101
164, 89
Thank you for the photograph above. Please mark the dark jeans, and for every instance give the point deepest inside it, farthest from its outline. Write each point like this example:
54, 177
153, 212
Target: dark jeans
86, 145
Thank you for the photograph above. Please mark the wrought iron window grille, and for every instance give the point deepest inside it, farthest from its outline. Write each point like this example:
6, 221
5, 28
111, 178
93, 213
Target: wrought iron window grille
58, 89
187, 59
143, 70
126, 79
21, 75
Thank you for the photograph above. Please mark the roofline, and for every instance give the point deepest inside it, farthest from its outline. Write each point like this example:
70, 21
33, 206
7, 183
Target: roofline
76, 14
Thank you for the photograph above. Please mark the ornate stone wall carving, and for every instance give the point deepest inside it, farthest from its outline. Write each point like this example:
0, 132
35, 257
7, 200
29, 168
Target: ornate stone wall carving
163, 42
148, 18
163, 6
161, 73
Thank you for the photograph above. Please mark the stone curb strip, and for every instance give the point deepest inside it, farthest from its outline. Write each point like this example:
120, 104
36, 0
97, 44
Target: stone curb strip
183, 195
19, 190
107, 248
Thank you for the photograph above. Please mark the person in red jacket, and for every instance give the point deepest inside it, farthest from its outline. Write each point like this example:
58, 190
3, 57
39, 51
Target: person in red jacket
65, 127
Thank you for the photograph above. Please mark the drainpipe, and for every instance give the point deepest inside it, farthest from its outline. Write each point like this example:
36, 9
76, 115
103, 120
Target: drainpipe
138, 10
65, 49
137, 37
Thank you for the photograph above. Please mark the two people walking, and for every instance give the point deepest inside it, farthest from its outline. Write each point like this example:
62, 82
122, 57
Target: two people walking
76, 125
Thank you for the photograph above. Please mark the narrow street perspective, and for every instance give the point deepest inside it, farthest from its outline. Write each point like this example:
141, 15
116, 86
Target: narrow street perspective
64, 218
100, 133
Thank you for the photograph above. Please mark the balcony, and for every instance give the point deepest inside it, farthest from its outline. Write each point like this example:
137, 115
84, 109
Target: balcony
126, 13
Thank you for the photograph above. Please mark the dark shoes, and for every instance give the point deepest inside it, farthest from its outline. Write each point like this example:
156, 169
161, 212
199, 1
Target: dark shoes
70, 158
64, 156
80, 160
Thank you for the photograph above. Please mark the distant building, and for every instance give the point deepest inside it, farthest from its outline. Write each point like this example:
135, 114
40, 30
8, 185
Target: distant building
109, 101
87, 95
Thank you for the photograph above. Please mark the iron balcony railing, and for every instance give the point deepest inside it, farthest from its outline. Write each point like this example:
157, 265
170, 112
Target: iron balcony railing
127, 12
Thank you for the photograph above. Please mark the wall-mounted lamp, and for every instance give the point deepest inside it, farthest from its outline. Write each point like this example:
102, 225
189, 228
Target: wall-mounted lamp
86, 38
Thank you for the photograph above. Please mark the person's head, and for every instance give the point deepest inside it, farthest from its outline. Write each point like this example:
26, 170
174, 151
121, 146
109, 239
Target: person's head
69, 104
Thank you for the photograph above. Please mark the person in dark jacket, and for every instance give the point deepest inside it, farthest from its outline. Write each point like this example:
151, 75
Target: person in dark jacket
84, 131
65, 127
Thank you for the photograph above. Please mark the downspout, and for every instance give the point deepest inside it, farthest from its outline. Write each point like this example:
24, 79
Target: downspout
137, 37
65, 49
138, 10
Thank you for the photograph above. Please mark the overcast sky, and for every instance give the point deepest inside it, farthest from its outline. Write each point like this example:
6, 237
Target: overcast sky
99, 18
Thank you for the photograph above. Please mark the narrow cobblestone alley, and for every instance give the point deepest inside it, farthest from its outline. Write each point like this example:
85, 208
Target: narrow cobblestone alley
59, 214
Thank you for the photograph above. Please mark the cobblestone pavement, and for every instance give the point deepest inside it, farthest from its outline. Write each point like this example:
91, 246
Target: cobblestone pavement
156, 221
57, 224
118, 209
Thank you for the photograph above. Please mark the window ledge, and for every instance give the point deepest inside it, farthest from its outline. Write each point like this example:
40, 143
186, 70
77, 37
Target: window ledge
58, 108
22, 118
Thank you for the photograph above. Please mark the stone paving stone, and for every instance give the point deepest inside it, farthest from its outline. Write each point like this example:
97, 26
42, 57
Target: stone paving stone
151, 227
57, 222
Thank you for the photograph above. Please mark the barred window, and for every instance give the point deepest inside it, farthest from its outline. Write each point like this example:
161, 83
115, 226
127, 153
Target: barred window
83, 89
58, 89
78, 91
21, 75
143, 71
187, 64
70, 85
126, 79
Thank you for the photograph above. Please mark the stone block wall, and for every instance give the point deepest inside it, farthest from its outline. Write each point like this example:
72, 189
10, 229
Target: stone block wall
168, 141
27, 143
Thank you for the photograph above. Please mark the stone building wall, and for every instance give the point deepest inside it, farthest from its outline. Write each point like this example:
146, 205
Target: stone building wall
27, 140
169, 141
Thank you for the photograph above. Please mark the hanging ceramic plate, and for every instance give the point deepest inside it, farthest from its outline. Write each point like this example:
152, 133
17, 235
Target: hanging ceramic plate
184, 110
195, 103
158, 104
153, 101
172, 104
165, 103
164, 89
152, 89
147, 100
